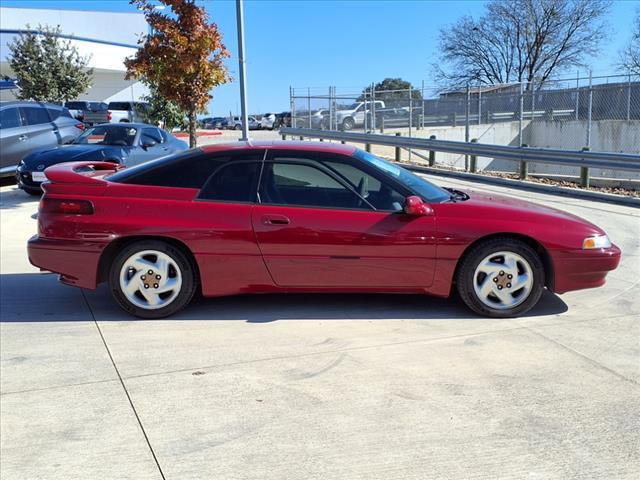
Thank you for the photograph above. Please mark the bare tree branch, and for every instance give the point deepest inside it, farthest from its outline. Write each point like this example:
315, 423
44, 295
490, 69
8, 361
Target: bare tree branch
521, 40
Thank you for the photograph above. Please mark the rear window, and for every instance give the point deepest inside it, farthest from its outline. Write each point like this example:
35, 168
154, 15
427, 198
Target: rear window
119, 106
97, 106
76, 105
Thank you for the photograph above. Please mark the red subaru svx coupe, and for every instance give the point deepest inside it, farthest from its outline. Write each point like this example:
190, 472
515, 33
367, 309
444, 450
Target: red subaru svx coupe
302, 217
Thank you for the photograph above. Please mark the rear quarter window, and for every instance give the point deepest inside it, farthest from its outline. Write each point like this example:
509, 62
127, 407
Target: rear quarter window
185, 170
35, 115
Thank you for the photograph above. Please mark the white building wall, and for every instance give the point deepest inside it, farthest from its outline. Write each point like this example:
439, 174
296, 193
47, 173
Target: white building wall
106, 38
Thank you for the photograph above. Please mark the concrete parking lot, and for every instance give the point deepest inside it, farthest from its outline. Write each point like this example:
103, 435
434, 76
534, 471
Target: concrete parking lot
319, 387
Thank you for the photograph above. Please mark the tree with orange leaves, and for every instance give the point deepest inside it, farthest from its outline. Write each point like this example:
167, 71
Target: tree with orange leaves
182, 57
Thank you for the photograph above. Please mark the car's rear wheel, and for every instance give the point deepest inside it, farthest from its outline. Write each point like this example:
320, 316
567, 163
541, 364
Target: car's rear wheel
501, 277
152, 279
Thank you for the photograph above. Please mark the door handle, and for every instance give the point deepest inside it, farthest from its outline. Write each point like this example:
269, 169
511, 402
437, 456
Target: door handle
22, 138
275, 220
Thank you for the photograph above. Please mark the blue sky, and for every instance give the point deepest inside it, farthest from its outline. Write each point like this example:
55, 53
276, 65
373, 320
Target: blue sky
342, 43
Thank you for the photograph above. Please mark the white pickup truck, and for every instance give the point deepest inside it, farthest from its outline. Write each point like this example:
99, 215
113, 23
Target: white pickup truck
353, 115
132, 112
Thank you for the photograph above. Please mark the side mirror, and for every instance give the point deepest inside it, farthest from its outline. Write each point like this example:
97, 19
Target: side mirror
148, 143
415, 207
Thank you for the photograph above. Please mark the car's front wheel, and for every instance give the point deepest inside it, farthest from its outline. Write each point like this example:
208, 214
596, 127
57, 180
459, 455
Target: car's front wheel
348, 123
501, 277
152, 279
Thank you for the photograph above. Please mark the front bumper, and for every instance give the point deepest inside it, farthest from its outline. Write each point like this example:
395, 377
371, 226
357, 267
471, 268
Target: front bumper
76, 261
579, 269
25, 181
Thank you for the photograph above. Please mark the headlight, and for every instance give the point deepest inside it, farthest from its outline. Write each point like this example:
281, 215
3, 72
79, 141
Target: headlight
596, 241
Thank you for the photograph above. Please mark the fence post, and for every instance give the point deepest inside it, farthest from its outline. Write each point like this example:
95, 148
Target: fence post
398, 158
330, 108
466, 125
309, 105
524, 166
293, 107
479, 103
629, 99
373, 107
474, 158
422, 112
584, 171
590, 111
577, 93
382, 124
432, 153
520, 113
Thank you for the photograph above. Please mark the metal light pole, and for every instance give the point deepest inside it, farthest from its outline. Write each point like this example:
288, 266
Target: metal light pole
243, 78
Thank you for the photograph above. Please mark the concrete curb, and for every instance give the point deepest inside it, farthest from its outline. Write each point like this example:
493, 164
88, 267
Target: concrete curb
531, 186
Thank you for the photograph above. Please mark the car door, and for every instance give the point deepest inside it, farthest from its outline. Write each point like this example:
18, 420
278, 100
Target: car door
316, 227
229, 258
39, 130
12, 139
159, 149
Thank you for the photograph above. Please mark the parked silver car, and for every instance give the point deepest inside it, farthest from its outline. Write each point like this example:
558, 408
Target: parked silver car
235, 123
27, 126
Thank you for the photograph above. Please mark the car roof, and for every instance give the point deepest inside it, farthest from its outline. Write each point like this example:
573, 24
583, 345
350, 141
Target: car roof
282, 145
11, 103
126, 125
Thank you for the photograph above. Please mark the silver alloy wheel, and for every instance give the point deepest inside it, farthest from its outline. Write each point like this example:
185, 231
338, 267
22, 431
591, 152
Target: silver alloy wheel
150, 279
503, 280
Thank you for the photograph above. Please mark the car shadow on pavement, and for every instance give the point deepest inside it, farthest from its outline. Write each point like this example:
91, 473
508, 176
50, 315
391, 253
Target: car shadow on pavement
12, 197
37, 297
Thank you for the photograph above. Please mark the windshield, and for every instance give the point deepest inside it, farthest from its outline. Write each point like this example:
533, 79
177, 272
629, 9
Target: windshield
114, 135
428, 191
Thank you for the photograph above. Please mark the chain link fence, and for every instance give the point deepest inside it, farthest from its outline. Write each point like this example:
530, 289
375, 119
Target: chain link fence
596, 113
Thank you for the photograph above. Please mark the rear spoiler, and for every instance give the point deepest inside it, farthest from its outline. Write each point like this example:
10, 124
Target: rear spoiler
87, 173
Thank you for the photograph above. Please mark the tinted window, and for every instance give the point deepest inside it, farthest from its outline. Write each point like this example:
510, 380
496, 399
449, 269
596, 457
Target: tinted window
119, 106
427, 190
9, 118
188, 170
151, 134
379, 194
53, 112
97, 106
232, 182
304, 185
76, 105
115, 135
34, 115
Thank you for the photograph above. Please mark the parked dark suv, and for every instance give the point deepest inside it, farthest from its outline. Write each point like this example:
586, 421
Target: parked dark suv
25, 126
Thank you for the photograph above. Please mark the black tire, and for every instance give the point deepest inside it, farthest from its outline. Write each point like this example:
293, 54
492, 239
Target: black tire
466, 270
34, 193
348, 124
237, 127
187, 289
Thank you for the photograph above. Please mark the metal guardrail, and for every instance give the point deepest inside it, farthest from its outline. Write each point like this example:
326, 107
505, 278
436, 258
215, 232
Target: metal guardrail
583, 159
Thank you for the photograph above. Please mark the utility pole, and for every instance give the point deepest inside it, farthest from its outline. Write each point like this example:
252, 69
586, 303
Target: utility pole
243, 78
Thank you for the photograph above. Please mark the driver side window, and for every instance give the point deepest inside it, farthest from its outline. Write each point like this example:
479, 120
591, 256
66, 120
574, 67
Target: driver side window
151, 134
379, 194
304, 184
